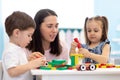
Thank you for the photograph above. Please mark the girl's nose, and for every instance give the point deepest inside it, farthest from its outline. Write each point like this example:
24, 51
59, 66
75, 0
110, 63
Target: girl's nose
92, 32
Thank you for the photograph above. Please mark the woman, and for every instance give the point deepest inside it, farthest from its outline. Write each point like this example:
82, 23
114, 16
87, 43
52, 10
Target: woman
46, 36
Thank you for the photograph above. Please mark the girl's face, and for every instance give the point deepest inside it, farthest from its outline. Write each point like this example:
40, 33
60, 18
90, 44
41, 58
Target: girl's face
49, 29
94, 31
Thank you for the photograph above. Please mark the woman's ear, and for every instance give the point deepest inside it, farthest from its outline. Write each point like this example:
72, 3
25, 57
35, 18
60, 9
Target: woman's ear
16, 32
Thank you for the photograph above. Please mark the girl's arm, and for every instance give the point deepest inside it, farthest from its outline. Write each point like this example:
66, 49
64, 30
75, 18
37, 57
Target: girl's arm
103, 58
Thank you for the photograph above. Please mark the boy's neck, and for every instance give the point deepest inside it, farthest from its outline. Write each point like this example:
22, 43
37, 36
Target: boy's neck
14, 41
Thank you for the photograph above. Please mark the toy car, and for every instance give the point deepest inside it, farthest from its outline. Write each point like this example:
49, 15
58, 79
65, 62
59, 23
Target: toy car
86, 66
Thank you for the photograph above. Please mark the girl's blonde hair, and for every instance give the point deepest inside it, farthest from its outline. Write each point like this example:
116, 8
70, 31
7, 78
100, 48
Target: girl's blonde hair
104, 22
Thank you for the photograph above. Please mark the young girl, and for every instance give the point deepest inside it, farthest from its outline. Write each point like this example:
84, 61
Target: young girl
97, 47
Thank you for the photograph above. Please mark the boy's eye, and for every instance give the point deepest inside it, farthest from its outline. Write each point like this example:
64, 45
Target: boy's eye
29, 35
56, 26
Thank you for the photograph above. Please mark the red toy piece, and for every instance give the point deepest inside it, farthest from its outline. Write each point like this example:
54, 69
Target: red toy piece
79, 44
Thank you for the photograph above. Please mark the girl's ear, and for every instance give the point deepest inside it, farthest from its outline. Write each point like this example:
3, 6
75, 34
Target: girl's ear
16, 32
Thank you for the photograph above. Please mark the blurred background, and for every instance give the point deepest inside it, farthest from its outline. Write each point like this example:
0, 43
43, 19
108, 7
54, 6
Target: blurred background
71, 16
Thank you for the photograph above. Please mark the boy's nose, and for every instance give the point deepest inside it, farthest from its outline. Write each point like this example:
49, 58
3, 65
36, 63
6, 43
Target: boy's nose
30, 38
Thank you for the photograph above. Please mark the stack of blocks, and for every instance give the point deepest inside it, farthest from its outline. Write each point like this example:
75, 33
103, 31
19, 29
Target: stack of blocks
75, 59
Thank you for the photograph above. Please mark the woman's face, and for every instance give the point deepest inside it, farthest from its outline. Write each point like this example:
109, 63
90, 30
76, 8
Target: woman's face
49, 29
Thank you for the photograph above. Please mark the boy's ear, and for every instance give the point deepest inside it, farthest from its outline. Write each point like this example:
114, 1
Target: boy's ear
16, 32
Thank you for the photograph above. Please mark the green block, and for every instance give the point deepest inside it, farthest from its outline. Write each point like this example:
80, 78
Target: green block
62, 68
72, 60
45, 68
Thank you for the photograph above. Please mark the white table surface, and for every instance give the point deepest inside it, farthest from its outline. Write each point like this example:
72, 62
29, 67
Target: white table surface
98, 74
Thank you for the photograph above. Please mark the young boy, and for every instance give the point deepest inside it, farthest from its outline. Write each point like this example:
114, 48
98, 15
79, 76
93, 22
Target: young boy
19, 27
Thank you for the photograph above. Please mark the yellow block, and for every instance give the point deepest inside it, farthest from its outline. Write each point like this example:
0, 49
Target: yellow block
74, 54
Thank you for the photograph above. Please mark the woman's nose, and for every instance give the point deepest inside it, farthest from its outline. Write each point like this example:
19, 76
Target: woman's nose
55, 29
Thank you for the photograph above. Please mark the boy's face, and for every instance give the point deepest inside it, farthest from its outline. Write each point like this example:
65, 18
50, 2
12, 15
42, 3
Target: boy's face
24, 37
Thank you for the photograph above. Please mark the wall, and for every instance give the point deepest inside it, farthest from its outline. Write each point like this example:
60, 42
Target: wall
111, 9
1, 34
71, 13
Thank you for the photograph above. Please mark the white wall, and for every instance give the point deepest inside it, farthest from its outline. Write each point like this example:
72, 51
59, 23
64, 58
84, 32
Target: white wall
71, 13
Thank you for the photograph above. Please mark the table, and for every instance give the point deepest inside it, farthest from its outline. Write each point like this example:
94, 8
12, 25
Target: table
98, 74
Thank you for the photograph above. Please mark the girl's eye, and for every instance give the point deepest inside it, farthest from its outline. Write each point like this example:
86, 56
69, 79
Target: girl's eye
96, 30
89, 31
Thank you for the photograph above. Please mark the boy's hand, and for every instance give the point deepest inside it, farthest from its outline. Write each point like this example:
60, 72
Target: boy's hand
37, 62
35, 55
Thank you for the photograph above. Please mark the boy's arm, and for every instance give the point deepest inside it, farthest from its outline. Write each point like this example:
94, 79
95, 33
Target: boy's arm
21, 69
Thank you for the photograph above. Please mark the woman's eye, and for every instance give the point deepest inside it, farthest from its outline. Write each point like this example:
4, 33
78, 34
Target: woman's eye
49, 26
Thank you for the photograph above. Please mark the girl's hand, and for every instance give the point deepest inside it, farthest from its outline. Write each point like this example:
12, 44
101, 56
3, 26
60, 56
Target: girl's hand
85, 52
73, 47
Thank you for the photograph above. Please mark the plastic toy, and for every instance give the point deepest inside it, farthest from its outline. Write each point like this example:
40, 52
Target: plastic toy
75, 58
58, 64
105, 65
86, 66
79, 44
